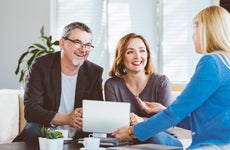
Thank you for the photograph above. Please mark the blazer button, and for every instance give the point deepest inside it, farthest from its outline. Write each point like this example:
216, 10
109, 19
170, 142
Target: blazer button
193, 133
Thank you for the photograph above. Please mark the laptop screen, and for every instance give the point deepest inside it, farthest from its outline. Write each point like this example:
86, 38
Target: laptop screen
104, 116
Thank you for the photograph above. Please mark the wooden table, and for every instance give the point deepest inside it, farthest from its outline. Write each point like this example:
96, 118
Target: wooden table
73, 145
35, 146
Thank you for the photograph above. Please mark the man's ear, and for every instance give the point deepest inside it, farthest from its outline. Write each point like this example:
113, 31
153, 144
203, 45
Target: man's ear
61, 43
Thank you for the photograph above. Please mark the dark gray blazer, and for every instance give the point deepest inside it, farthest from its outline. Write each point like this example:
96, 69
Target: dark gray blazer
43, 87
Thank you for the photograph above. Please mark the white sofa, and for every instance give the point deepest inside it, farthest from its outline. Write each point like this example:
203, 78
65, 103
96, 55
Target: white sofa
12, 114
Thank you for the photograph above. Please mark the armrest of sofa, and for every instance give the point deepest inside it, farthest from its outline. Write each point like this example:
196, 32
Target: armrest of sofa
9, 116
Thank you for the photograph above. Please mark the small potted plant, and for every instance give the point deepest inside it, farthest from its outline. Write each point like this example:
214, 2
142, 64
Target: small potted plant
50, 139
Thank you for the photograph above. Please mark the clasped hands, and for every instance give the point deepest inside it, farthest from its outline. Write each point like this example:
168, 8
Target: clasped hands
74, 119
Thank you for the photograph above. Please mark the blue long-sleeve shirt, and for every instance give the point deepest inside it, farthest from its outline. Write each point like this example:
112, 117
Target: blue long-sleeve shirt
205, 102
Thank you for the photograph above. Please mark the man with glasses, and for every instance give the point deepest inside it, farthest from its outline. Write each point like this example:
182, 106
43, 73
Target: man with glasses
58, 82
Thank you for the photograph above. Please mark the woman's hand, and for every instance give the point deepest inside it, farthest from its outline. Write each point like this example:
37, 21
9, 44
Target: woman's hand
134, 119
150, 107
122, 134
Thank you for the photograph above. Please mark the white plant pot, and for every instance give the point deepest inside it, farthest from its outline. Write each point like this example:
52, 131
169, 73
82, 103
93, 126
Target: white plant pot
42, 143
60, 143
51, 144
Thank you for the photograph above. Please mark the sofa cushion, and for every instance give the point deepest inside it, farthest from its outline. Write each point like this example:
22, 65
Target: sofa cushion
9, 116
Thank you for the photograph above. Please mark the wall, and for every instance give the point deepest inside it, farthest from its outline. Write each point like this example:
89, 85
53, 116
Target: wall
21, 21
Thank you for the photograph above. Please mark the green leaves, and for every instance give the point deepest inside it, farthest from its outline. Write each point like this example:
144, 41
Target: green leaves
32, 52
49, 133
44, 131
52, 135
59, 134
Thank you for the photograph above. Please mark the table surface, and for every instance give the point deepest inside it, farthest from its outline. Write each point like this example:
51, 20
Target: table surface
73, 145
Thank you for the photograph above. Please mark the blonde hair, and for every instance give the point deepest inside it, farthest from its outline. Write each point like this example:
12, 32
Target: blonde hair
118, 65
214, 29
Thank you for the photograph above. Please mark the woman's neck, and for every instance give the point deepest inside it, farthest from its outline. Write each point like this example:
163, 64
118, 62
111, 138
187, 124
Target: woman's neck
136, 82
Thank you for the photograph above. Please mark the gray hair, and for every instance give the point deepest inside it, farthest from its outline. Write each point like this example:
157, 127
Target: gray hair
70, 27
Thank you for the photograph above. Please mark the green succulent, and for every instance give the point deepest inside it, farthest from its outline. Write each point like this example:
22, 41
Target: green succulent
50, 133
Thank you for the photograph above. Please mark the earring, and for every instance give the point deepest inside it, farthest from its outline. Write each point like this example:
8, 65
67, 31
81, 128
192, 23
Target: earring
216, 48
124, 70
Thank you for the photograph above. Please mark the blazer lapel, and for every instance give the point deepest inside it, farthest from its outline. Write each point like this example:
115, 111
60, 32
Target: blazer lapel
81, 85
56, 81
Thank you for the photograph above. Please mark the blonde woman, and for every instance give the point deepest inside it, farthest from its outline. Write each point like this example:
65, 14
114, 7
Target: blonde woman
204, 105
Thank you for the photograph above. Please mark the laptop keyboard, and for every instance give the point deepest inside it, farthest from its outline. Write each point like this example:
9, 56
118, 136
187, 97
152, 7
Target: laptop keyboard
109, 141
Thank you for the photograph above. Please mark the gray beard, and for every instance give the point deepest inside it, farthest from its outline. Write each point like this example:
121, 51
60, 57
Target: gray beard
77, 63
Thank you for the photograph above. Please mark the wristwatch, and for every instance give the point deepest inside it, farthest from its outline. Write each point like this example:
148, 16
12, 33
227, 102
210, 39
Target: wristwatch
131, 133
52, 125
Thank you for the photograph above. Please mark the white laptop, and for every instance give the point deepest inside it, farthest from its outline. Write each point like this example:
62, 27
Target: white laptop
104, 117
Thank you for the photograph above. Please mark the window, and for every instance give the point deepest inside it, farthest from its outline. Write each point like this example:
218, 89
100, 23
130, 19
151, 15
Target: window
166, 24
176, 52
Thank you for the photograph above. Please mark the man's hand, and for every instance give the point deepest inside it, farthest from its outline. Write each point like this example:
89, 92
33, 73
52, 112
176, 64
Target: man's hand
74, 119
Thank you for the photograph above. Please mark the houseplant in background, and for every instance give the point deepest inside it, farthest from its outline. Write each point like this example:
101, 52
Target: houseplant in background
50, 139
35, 50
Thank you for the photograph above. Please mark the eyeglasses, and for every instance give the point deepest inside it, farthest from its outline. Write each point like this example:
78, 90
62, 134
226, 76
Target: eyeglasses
79, 44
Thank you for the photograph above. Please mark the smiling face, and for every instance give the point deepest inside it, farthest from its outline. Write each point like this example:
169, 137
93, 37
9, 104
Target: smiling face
135, 57
74, 48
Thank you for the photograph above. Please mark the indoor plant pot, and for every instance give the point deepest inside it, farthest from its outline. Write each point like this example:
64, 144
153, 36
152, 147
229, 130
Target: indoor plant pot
50, 139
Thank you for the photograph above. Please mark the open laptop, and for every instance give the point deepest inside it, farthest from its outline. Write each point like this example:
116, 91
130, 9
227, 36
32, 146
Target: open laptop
103, 117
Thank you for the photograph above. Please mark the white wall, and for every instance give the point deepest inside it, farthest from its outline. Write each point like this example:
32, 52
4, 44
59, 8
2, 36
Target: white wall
216, 2
20, 25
